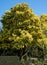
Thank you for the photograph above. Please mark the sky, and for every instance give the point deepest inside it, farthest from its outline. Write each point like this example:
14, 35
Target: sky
38, 6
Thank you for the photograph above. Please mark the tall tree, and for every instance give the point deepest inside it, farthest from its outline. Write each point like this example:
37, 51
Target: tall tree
21, 28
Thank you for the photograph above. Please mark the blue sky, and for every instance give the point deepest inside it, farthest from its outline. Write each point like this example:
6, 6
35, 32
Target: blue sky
39, 6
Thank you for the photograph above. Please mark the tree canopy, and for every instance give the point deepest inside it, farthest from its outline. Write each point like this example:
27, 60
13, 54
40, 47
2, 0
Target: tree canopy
21, 27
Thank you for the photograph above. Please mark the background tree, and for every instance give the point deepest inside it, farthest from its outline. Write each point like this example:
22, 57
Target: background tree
43, 19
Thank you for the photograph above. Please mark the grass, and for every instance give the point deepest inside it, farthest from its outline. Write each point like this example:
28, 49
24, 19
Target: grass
14, 60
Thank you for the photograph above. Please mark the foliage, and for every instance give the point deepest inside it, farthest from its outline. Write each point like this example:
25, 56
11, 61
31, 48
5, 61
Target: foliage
43, 19
21, 26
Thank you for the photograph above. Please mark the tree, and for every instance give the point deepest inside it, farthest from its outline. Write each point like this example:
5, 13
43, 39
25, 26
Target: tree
21, 28
43, 19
